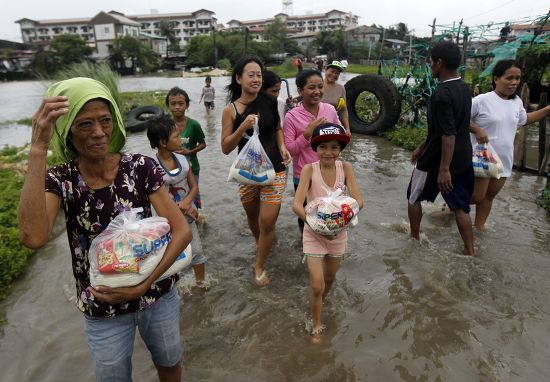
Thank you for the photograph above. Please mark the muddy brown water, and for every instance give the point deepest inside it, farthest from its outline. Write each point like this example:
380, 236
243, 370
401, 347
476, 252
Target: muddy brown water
400, 310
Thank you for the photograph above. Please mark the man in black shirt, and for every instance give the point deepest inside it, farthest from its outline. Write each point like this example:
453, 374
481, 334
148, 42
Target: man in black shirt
444, 160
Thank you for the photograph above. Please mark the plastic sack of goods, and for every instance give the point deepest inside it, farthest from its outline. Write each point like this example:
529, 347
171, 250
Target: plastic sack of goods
331, 214
252, 165
486, 162
130, 248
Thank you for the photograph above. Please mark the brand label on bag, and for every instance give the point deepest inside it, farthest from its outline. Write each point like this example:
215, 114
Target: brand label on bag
256, 157
146, 247
341, 217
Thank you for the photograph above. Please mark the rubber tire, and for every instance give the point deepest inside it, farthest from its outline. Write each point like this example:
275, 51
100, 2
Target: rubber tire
139, 119
388, 98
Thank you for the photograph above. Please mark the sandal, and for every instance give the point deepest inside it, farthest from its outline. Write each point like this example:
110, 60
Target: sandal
262, 279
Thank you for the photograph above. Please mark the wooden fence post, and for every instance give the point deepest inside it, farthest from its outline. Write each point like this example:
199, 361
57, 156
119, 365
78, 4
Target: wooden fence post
543, 142
521, 147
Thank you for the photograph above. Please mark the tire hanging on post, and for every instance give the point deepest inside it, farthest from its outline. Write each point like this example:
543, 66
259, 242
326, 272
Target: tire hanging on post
387, 96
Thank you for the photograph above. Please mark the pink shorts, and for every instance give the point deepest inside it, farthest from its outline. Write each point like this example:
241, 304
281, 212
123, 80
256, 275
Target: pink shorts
315, 244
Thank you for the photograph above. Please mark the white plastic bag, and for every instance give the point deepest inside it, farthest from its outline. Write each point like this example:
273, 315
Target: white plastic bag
252, 165
331, 214
486, 162
129, 249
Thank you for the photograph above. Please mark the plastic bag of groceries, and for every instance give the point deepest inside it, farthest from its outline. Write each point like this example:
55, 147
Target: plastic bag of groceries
252, 165
130, 248
486, 162
328, 215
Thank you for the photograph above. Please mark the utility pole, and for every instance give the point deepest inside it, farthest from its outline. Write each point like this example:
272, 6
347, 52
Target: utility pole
464, 50
215, 46
245, 40
433, 30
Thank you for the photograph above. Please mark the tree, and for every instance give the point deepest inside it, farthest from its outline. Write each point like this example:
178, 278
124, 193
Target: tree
230, 44
276, 35
166, 29
128, 55
398, 31
63, 51
331, 43
69, 49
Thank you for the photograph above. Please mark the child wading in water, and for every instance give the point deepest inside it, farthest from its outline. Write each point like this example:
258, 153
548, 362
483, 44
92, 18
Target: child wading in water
324, 253
209, 94
164, 136
190, 132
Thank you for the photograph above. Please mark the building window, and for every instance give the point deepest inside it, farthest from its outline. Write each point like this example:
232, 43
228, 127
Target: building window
106, 30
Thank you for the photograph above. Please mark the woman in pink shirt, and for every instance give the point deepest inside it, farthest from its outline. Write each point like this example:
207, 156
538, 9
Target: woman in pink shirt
301, 120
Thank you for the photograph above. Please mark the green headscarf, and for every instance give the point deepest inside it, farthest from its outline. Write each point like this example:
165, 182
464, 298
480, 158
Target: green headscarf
80, 90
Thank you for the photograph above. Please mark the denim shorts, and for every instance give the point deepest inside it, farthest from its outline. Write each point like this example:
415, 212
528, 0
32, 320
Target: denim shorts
111, 339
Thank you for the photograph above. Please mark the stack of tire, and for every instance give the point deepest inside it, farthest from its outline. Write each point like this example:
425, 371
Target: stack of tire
139, 119
388, 98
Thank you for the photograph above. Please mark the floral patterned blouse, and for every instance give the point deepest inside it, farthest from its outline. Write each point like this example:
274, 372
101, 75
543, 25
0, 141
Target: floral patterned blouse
88, 212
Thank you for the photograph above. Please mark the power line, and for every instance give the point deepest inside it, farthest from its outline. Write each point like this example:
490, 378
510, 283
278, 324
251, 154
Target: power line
490, 10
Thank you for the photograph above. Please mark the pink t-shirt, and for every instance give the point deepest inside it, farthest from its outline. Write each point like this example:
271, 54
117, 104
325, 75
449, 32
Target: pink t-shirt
296, 121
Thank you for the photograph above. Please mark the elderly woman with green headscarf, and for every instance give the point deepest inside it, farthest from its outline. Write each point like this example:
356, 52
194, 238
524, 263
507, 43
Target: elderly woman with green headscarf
81, 122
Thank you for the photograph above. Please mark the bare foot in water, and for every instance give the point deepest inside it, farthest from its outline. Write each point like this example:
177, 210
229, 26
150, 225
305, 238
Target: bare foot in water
317, 334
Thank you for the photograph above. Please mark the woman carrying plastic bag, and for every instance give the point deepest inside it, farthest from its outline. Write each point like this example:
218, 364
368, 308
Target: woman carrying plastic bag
261, 201
486, 162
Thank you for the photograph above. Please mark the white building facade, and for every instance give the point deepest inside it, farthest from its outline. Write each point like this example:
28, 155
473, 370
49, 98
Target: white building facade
299, 25
99, 31
185, 25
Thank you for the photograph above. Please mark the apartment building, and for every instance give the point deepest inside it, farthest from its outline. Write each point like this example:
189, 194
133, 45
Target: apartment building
299, 25
99, 31
40, 32
185, 25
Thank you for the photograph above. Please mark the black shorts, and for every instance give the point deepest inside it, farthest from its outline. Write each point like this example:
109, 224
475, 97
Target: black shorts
457, 199
209, 105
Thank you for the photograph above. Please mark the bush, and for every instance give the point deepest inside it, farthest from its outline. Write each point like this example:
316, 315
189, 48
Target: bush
13, 256
102, 73
544, 199
224, 64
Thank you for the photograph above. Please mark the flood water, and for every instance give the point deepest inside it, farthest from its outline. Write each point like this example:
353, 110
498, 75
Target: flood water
400, 310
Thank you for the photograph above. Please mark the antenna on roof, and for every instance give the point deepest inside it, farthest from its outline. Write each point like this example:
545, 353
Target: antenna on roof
287, 7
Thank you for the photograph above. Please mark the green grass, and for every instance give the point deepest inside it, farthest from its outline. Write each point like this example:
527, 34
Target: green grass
362, 69
285, 70
406, 136
131, 100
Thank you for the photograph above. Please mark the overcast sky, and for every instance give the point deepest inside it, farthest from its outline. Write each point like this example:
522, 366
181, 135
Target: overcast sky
417, 14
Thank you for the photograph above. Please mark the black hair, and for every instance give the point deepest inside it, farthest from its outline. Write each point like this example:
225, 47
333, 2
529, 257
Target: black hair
208, 78
448, 52
234, 88
160, 129
302, 77
501, 67
174, 92
269, 79
315, 144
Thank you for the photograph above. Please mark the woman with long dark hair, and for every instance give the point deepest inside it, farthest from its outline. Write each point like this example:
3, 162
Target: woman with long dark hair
246, 105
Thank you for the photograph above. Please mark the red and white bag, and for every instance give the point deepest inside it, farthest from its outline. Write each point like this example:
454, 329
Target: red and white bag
129, 250
486, 162
328, 215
